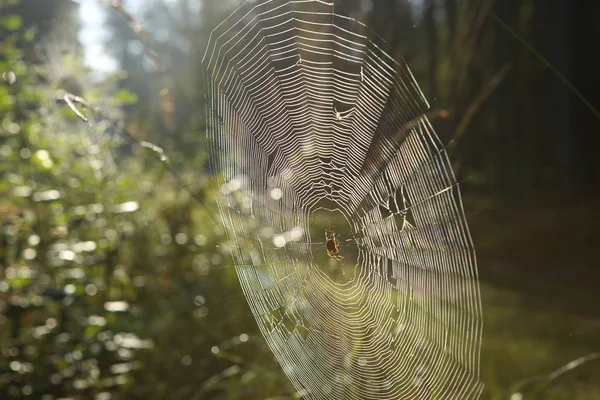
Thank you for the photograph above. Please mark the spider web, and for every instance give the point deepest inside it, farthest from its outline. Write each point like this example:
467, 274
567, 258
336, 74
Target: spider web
313, 128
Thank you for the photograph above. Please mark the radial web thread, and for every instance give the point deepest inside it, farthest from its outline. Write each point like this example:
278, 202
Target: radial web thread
313, 127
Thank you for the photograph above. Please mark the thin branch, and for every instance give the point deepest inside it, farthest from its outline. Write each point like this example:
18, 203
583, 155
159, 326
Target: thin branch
547, 63
476, 104
156, 149
545, 380
139, 30
464, 49
430, 115
72, 101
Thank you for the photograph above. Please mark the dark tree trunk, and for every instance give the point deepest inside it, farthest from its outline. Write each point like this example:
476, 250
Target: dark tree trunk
506, 135
586, 125
558, 30
431, 39
451, 16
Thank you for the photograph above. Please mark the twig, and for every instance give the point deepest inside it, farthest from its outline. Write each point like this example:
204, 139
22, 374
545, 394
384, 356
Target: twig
433, 114
547, 63
469, 44
72, 101
545, 380
156, 149
476, 104
139, 30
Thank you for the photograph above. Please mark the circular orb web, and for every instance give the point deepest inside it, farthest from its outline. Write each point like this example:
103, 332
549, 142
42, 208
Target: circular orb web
313, 128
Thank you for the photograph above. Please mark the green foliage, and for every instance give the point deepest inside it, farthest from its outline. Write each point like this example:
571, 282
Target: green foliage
11, 22
56, 329
113, 280
125, 97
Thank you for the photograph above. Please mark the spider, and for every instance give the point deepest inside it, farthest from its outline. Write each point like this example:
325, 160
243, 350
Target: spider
332, 246
339, 117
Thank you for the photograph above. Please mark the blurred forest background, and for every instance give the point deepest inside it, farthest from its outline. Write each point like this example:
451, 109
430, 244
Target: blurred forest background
115, 279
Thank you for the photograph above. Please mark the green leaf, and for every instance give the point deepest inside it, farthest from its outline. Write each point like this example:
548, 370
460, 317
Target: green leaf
125, 97
18, 283
11, 23
30, 34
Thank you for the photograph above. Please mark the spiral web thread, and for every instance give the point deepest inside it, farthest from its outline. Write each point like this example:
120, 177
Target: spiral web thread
307, 113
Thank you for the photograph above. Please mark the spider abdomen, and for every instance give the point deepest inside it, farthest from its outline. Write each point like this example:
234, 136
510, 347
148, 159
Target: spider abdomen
331, 246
